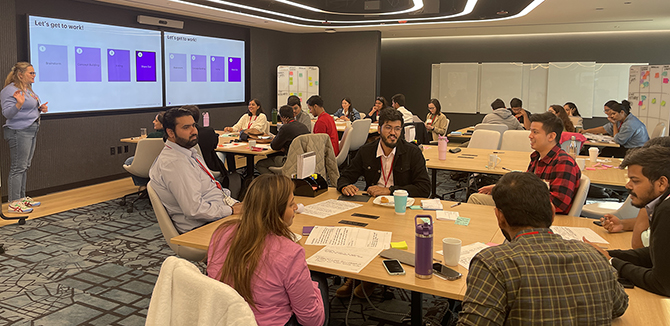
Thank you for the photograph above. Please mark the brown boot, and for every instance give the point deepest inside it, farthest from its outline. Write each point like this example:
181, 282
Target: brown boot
345, 290
365, 288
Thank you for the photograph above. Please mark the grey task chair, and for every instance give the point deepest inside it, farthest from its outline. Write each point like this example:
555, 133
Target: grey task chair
516, 140
659, 130
359, 133
169, 231
345, 144
493, 126
146, 153
580, 196
623, 210
486, 139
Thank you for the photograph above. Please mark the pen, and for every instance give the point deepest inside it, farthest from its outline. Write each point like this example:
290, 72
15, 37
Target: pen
506, 169
454, 205
466, 157
498, 152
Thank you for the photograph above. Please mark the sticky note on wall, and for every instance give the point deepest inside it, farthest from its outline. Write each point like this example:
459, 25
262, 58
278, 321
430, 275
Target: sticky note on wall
666, 80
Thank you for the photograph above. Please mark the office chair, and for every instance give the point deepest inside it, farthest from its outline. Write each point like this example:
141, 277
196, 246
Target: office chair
146, 153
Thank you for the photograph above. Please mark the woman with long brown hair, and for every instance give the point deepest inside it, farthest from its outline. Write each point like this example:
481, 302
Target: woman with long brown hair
559, 111
256, 255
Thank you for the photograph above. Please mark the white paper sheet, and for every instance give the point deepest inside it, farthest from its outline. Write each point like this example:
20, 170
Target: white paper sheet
329, 207
575, 233
446, 215
306, 165
343, 258
345, 236
468, 252
432, 204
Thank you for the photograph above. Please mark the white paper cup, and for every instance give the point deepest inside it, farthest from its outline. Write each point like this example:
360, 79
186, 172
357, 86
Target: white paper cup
581, 162
451, 251
252, 144
400, 201
593, 154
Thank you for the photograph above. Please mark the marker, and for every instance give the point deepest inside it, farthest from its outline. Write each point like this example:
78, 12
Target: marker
506, 169
498, 152
454, 205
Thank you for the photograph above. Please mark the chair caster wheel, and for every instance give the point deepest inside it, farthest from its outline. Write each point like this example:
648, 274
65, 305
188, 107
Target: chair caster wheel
22, 221
122, 202
130, 209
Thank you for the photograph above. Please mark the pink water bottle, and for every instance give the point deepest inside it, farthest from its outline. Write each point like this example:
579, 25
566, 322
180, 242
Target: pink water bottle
423, 248
442, 147
205, 119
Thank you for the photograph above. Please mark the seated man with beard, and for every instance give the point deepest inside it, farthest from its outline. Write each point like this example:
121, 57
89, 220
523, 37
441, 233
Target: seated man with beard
189, 192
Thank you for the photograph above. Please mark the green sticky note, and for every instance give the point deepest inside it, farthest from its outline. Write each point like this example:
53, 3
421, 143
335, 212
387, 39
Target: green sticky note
653, 101
665, 73
415, 207
662, 103
462, 221
317, 83
425, 220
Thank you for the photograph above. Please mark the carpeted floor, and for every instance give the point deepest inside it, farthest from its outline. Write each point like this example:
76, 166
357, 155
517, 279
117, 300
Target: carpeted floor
97, 265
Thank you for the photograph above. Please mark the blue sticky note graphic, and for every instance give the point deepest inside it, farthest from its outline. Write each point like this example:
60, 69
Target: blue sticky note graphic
462, 221
415, 207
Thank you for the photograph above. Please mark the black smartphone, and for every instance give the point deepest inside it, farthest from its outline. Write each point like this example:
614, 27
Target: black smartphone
446, 272
454, 150
626, 283
598, 223
393, 267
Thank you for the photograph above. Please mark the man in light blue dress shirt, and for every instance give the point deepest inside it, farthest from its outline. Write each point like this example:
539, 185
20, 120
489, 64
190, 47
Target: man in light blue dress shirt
189, 192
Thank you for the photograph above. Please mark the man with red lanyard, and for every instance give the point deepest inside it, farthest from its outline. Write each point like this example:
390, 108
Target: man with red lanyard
282, 142
187, 189
324, 123
548, 161
389, 163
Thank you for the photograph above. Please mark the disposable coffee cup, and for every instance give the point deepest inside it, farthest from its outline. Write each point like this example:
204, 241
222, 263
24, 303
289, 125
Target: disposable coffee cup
400, 201
581, 162
451, 251
252, 144
593, 154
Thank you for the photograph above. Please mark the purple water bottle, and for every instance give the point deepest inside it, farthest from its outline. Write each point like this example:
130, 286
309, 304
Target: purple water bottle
423, 249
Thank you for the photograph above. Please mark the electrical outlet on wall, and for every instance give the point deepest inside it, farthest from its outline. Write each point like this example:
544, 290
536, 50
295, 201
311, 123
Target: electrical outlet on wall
112, 150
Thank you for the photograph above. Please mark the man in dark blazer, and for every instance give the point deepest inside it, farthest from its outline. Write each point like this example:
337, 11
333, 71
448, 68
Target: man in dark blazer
388, 163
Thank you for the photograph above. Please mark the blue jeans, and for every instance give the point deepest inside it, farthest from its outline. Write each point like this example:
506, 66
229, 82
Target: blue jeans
21, 150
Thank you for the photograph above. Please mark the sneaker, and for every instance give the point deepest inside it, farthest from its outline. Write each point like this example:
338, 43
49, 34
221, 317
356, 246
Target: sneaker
18, 207
29, 202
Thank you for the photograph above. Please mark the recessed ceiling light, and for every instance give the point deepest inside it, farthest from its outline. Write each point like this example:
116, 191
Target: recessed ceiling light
502, 12
330, 30
600, 9
627, 3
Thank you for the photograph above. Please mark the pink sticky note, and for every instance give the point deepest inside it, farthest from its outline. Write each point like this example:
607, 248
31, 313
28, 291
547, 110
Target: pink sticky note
666, 80
639, 103
491, 244
590, 169
607, 166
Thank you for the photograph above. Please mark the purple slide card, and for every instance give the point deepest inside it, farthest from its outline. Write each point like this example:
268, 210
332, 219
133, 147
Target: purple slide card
218, 69
198, 68
52, 63
145, 64
177, 67
87, 64
234, 69
118, 65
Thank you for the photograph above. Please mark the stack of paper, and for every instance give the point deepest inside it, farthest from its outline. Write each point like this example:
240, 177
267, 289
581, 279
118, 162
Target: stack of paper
575, 233
432, 204
329, 207
345, 236
446, 215
343, 258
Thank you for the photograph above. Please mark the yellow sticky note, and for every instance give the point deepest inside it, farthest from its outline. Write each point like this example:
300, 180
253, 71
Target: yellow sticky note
653, 101
399, 245
310, 78
311, 84
643, 107
662, 103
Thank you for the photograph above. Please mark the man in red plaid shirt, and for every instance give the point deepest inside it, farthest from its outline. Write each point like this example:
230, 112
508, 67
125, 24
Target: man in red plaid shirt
548, 161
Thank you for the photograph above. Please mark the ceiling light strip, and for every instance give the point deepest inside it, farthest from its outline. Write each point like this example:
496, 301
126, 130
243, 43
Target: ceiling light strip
415, 21
418, 5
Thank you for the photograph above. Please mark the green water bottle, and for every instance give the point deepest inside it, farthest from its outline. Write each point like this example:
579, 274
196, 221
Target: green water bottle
274, 115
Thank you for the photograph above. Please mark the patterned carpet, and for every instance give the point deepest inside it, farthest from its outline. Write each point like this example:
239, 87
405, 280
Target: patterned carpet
97, 265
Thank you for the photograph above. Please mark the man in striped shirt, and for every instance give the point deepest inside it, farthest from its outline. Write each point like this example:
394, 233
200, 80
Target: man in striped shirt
538, 278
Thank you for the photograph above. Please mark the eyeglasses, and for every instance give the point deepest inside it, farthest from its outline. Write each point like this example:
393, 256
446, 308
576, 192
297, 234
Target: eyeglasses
388, 128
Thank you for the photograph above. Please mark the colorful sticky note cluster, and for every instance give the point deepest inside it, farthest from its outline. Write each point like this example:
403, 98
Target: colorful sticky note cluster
462, 221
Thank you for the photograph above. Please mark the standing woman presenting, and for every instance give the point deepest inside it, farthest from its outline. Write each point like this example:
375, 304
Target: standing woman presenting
21, 107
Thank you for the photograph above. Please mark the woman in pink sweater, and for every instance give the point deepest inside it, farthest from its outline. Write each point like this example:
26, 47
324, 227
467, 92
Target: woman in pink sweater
256, 255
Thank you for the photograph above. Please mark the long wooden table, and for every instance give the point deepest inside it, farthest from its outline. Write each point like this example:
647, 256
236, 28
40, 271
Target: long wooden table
483, 227
464, 136
475, 160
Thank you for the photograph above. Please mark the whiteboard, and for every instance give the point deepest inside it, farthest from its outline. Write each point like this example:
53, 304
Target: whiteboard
459, 87
535, 87
572, 82
649, 94
611, 83
435, 81
302, 81
499, 80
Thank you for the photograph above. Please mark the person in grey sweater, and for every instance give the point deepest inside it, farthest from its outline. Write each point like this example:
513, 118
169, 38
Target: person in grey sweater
502, 116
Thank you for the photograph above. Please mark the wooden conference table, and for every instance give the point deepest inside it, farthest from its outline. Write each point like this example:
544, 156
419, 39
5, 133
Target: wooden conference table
482, 228
341, 126
475, 160
464, 137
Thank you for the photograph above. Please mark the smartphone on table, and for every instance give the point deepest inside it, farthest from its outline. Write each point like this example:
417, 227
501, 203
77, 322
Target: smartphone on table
446, 272
393, 267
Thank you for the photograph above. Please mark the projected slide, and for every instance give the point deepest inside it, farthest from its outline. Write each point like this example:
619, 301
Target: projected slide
203, 70
86, 67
